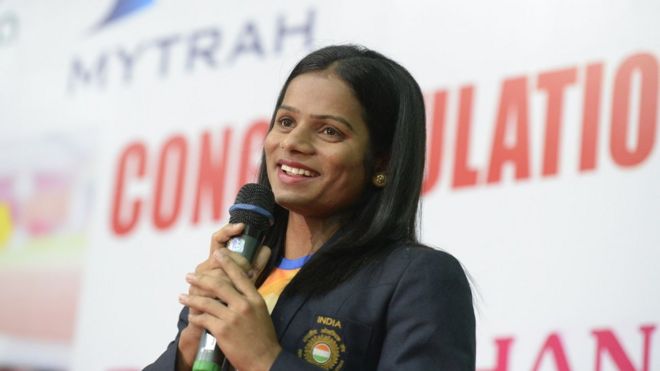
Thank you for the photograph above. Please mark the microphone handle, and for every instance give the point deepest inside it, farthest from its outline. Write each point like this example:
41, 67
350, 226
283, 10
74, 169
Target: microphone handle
209, 357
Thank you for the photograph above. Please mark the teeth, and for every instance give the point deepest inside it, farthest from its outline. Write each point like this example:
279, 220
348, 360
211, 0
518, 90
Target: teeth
296, 171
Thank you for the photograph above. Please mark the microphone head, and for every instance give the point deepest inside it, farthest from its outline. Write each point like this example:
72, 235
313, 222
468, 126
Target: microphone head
253, 206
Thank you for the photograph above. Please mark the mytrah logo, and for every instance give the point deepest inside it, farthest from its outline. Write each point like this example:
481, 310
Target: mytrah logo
125, 62
122, 9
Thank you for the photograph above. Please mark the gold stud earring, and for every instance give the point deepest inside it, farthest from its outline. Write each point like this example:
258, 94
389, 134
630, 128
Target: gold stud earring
379, 180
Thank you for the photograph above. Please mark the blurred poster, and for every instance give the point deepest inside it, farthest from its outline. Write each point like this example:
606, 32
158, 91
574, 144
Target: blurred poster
45, 199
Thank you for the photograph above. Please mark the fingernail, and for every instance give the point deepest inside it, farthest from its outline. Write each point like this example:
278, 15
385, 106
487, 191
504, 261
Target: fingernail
251, 273
183, 298
190, 277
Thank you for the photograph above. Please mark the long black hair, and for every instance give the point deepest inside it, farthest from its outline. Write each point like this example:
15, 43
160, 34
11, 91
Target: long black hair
393, 109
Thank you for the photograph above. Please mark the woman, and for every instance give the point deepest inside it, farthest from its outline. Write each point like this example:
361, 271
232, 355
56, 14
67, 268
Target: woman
344, 157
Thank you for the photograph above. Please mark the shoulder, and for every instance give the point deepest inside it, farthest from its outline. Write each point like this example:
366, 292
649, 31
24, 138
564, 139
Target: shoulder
434, 280
417, 262
430, 315
415, 256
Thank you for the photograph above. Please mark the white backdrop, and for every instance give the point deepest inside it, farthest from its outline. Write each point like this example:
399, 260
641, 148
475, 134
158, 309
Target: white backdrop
543, 175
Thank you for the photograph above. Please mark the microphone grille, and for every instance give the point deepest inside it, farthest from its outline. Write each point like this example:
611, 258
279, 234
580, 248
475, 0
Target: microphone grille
254, 206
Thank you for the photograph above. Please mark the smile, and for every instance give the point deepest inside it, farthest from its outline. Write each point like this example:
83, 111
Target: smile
297, 171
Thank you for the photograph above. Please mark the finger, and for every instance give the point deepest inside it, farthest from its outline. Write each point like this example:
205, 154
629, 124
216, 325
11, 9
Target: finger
224, 234
239, 259
201, 304
221, 288
260, 262
237, 276
216, 274
207, 265
191, 310
210, 323
198, 291
200, 319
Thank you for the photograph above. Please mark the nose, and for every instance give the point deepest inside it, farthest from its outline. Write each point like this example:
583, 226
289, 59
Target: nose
298, 140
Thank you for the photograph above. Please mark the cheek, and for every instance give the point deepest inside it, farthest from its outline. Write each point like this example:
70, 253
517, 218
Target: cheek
270, 144
349, 167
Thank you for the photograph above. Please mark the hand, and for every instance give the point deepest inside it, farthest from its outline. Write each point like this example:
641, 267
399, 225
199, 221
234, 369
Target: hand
190, 336
211, 265
239, 320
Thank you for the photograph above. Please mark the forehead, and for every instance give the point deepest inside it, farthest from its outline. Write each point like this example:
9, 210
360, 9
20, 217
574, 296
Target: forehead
323, 93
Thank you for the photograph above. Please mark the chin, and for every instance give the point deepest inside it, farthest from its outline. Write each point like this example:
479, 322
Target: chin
290, 200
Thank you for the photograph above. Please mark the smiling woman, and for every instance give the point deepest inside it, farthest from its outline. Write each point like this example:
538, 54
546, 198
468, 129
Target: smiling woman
344, 282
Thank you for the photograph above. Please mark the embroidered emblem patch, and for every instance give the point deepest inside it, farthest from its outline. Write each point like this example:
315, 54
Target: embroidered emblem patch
324, 348
321, 352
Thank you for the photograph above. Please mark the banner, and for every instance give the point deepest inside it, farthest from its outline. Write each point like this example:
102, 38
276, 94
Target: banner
128, 126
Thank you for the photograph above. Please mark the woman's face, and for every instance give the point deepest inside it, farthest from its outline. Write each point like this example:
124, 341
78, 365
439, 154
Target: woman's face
316, 149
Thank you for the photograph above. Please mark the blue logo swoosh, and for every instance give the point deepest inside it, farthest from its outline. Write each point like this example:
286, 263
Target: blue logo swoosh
123, 8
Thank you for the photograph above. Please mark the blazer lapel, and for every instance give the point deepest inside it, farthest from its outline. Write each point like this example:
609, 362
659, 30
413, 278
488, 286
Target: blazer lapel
286, 308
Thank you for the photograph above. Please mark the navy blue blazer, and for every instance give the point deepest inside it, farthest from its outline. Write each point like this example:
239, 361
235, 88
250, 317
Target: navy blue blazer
411, 310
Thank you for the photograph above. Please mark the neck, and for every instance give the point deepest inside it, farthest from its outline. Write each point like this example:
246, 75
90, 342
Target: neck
305, 235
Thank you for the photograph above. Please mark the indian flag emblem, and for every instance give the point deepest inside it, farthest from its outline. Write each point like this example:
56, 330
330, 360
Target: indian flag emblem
323, 348
321, 353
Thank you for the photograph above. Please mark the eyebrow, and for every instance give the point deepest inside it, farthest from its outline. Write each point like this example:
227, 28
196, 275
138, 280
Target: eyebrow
321, 117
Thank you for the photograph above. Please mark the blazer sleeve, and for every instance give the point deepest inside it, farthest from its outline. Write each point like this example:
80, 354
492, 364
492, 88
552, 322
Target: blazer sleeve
430, 321
167, 360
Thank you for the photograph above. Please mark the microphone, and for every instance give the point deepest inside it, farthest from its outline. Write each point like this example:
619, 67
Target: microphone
253, 206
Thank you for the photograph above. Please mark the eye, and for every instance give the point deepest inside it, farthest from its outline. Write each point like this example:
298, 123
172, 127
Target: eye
285, 122
332, 132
